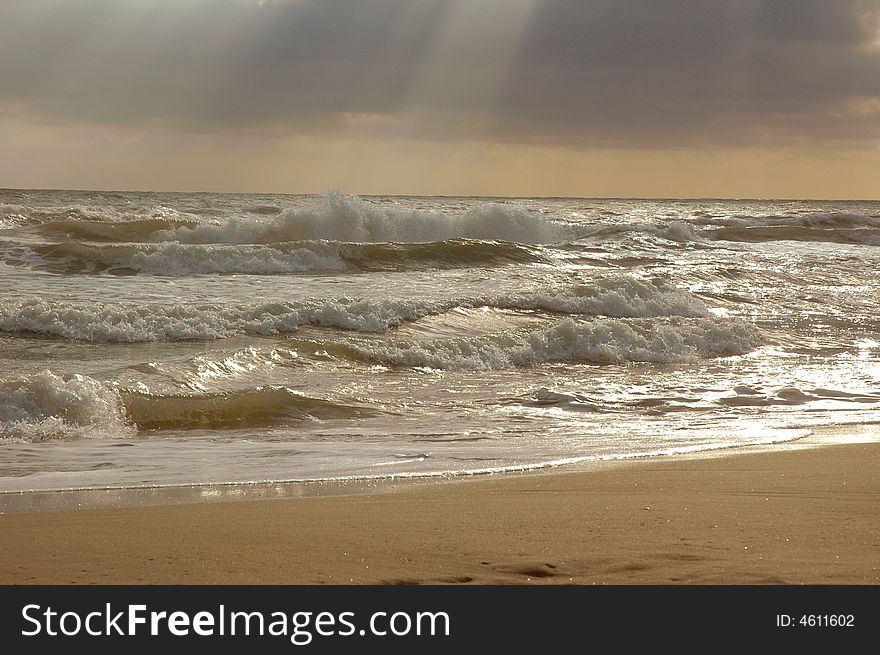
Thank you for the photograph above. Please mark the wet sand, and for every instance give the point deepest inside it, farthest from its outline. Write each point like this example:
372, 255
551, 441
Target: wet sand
808, 515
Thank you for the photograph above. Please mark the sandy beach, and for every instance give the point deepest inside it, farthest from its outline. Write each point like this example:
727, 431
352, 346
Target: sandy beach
789, 516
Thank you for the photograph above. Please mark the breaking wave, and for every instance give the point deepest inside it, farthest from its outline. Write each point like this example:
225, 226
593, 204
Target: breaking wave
46, 406
599, 341
279, 258
137, 323
333, 217
614, 296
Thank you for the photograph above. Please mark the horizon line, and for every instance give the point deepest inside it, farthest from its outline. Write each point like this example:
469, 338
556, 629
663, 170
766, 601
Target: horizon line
442, 195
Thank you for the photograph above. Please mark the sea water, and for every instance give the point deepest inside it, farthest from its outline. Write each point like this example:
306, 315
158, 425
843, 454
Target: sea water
153, 339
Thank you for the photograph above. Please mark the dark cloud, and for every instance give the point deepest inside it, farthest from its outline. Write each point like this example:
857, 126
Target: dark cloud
583, 72
689, 71
838, 21
214, 63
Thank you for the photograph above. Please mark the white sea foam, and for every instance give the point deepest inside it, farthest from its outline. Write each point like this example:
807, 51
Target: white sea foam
48, 406
12, 216
599, 341
340, 217
137, 323
681, 232
179, 259
616, 296
94, 214
572, 319
678, 231
12, 211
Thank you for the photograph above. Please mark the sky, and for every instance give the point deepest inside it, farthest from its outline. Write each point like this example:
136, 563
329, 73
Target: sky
623, 98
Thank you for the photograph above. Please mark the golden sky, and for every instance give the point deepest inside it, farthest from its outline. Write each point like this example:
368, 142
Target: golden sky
644, 98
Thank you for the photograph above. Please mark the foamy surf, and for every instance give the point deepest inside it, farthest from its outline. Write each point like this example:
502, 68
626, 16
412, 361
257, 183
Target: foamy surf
217, 338
332, 217
617, 296
599, 341
177, 259
48, 406
340, 217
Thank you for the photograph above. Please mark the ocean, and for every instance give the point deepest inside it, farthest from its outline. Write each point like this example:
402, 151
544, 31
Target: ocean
155, 340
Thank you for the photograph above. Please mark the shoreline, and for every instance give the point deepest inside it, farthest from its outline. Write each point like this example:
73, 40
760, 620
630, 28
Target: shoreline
184, 494
797, 514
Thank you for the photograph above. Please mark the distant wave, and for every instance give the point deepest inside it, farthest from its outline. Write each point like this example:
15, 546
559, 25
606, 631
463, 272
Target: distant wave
677, 231
861, 235
46, 406
266, 210
12, 216
334, 217
820, 227
613, 296
809, 219
279, 258
120, 230
12, 210
598, 341
349, 219
179, 259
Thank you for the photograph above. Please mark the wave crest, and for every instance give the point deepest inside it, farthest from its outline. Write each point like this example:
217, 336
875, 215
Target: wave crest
616, 296
601, 341
332, 217
340, 217
48, 406
761, 233
176, 259
613, 296
249, 408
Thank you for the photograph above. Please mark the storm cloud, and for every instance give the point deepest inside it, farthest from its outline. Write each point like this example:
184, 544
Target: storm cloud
584, 73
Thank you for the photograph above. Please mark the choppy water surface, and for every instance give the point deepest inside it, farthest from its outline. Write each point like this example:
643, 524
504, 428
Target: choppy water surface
163, 339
